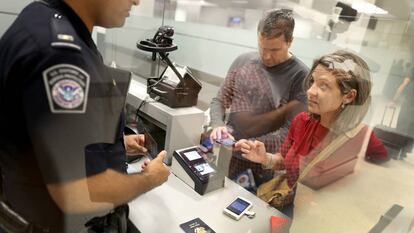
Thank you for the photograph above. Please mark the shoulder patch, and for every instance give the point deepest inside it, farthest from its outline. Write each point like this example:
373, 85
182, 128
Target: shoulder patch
67, 88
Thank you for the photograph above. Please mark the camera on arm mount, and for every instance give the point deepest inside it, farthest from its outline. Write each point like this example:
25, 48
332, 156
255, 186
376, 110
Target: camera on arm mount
170, 91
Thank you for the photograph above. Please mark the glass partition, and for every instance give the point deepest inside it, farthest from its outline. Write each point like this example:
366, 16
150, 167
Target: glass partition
211, 34
357, 186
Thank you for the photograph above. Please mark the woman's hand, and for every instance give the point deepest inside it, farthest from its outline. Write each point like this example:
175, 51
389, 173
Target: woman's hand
254, 151
134, 144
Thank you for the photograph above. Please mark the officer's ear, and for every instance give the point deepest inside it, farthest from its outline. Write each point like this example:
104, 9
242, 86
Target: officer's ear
289, 42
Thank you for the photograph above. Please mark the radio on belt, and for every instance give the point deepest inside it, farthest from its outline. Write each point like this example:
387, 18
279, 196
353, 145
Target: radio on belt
191, 166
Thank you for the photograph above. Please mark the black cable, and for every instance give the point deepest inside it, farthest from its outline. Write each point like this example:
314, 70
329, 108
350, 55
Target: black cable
140, 124
156, 83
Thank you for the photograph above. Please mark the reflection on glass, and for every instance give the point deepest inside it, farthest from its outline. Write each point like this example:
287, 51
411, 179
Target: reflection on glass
210, 34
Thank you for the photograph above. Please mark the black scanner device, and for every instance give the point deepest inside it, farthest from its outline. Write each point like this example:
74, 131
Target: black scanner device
183, 93
191, 166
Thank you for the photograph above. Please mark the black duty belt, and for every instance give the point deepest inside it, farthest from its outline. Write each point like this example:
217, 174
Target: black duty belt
11, 221
115, 222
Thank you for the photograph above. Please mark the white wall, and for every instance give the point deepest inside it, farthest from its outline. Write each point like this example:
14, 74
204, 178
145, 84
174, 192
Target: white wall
13, 6
5, 21
8, 12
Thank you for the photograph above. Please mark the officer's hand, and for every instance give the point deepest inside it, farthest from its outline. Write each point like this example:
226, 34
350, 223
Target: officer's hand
219, 133
156, 170
134, 144
145, 164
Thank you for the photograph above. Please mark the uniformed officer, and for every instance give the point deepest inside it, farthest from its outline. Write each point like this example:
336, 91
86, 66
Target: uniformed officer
62, 150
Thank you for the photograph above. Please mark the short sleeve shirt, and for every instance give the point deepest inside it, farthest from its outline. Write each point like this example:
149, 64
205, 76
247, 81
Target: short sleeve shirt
252, 87
61, 108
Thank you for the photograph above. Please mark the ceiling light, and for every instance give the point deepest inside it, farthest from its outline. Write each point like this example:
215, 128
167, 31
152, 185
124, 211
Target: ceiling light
368, 8
192, 2
240, 1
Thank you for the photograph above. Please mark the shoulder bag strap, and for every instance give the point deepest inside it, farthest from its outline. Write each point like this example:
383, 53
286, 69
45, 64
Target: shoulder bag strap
332, 147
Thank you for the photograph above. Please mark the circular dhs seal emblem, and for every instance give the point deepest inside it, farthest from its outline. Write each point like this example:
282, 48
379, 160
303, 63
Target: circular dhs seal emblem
67, 88
68, 94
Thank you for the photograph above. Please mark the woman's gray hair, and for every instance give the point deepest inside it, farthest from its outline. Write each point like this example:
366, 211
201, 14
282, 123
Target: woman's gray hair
352, 72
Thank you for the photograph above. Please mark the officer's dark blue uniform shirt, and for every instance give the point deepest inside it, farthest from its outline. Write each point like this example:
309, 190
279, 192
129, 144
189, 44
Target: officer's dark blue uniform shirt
60, 109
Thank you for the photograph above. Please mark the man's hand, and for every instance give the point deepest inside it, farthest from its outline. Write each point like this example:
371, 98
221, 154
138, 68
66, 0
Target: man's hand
254, 151
134, 144
251, 125
156, 170
220, 132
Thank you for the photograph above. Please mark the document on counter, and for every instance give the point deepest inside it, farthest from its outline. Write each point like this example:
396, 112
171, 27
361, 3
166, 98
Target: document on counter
196, 225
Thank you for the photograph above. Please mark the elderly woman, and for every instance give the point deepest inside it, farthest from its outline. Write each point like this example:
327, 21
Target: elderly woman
338, 91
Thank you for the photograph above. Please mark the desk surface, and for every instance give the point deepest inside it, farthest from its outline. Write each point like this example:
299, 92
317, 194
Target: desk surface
164, 208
